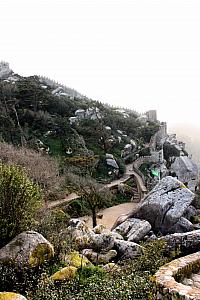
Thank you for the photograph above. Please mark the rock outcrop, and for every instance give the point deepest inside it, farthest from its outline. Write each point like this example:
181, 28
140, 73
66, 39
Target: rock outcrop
185, 169
101, 245
28, 249
187, 242
164, 206
133, 229
128, 250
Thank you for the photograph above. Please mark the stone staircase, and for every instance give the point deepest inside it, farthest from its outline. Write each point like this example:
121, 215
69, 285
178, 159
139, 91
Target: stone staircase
136, 197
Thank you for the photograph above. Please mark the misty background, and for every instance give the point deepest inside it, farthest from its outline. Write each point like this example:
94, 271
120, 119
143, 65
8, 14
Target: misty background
190, 135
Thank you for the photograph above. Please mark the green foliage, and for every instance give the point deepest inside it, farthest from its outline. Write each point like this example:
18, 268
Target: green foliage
91, 272
122, 167
145, 152
91, 283
19, 201
78, 208
30, 113
145, 168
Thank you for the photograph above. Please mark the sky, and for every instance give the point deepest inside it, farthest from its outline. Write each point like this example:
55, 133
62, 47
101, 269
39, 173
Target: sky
142, 54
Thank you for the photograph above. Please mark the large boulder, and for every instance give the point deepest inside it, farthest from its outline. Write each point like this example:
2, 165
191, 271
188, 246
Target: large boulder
99, 258
98, 242
165, 204
102, 242
28, 249
185, 168
99, 229
112, 163
128, 250
133, 229
183, 225
11, 296
190, 212
187, 242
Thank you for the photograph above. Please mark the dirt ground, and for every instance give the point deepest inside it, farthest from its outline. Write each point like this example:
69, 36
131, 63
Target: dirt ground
111, 214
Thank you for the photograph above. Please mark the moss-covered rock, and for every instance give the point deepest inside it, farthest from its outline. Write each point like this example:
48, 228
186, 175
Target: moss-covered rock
43, 252
66, 273
77, 260
28, 249
11, 296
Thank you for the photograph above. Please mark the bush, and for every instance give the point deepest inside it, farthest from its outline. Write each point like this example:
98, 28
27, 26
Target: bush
145, 152
19, 201
43, 170
91, 272
122, 167
52, 226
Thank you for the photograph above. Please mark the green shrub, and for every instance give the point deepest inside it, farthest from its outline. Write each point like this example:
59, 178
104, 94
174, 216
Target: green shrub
19, 201
52, 226
122, 167
145, 152
93, 272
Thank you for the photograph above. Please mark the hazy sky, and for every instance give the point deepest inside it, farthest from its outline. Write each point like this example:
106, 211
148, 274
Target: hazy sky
139, 54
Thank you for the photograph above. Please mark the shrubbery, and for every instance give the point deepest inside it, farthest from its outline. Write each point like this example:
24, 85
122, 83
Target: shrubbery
92, 283
19, 201
43, 170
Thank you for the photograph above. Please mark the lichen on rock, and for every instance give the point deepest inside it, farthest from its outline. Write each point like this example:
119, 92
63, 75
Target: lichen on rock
66, 273
11, 296
28, 249
76, 259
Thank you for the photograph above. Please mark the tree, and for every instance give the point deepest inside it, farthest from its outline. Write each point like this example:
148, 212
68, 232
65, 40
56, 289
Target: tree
91, 191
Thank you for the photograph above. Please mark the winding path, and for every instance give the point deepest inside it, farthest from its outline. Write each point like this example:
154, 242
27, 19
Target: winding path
128, 174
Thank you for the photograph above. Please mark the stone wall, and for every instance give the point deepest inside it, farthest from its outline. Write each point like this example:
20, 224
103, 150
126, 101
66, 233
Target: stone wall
141, 160
167, 288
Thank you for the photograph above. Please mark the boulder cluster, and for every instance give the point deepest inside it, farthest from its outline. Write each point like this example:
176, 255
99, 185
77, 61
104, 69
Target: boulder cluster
101, 245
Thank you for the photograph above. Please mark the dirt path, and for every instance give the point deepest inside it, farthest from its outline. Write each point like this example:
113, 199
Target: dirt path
53, 204
111, 214
128, 173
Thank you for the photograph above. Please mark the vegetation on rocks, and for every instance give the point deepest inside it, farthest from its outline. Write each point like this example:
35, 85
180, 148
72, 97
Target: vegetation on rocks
90, 282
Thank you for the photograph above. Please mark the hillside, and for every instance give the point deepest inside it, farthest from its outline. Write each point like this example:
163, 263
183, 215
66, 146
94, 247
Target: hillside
39, 113
69, 163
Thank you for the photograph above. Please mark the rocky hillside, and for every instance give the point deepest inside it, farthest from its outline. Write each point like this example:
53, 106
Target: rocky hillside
39, 113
